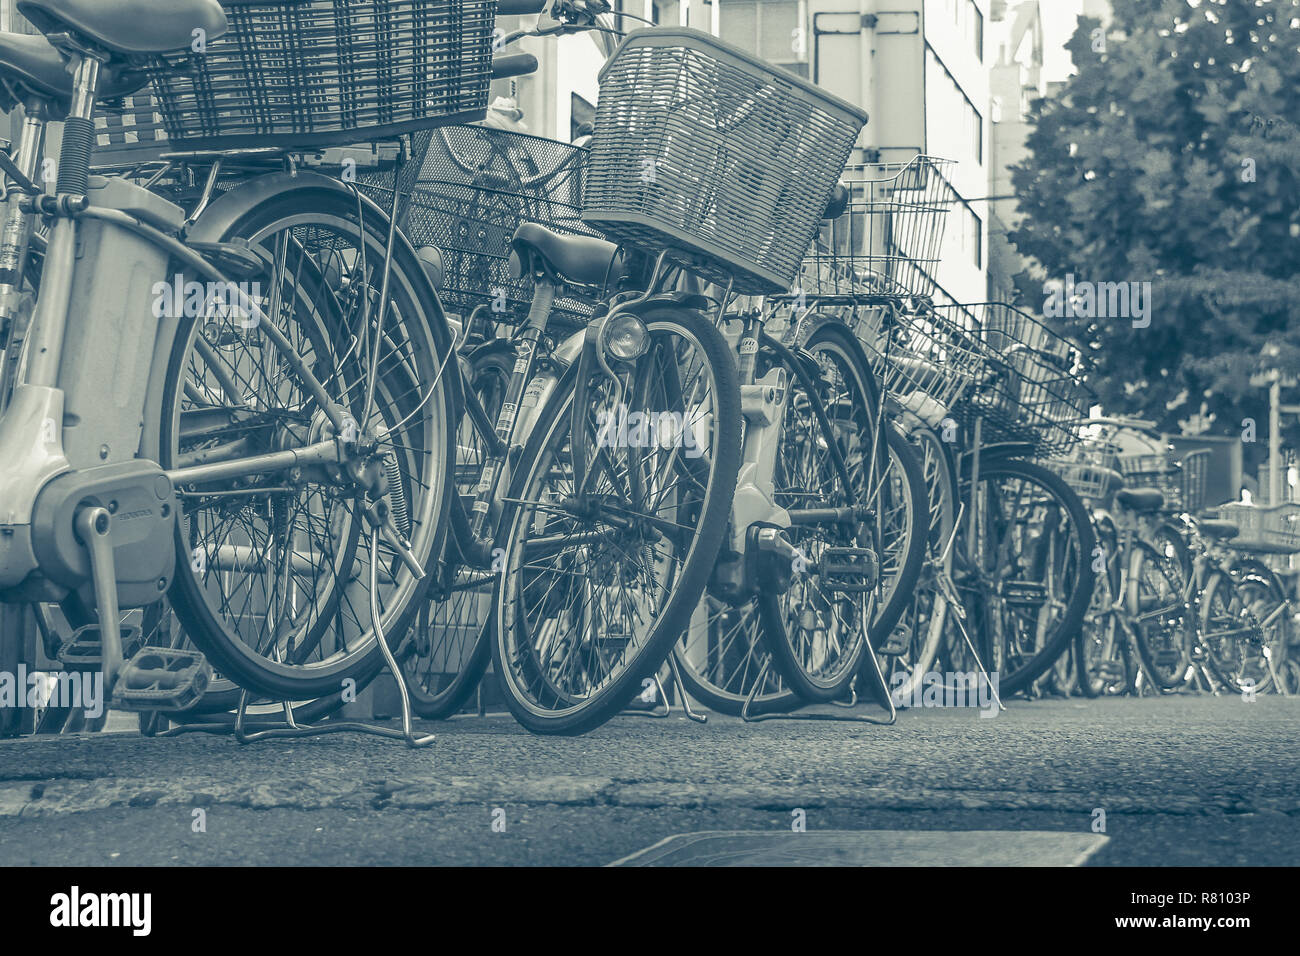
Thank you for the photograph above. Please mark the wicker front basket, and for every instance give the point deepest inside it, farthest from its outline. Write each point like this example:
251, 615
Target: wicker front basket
711, 153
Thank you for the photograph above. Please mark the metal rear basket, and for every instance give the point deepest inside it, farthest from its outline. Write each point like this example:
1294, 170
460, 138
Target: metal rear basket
1158, 470
925, 358
722, 158
1272, 530
887, 241
130, 134
294, 73
1035, 392
1090, 468
475, 188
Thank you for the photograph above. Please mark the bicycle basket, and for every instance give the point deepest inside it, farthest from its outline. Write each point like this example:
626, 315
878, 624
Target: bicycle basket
476, 186
723, 159
1036, 393
924, 357
1090, 468
1195, 479
130, 134
292, 73
887, 241
1086, 480
1266, 530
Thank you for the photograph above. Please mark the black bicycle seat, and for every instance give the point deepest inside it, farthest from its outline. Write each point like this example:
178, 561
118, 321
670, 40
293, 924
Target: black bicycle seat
34, 67
129, 27
1218, 529
584, 259
1140, 499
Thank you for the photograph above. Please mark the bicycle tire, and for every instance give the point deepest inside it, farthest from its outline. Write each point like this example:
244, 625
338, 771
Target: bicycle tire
801, 660
442, 620
1080, 593
417, 334
520, 656
1154, 660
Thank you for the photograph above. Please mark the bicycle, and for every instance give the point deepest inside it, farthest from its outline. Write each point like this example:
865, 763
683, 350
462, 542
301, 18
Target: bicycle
868, 256
549, 631
346, 443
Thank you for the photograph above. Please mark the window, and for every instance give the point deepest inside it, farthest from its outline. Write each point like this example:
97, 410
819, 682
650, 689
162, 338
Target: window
957, 126
966, 17
771, 29
972, 236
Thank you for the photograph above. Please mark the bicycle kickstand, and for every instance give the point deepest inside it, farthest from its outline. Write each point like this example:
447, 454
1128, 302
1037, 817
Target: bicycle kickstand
680, 690
751, 718
292, 729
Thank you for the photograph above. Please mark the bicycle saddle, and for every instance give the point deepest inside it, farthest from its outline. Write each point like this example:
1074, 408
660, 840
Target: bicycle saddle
583, 259
35, 67
129, 27
1140, 499
1217, 529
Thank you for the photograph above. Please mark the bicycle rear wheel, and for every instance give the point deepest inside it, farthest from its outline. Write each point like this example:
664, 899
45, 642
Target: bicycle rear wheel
830, 421
1231, 629
1162, 621
1102, 665
926, 621
447, 650
599, 581
1029, 571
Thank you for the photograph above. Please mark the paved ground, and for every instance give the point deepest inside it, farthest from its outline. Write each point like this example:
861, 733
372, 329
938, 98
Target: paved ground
1184, 780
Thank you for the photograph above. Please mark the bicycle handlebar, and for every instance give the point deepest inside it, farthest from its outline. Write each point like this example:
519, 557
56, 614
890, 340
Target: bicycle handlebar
520, 8
513, 64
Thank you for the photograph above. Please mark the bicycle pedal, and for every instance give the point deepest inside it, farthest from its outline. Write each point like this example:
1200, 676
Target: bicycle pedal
1029, 593
849, 570
84, 650
161, 678
1110, 670
899, 640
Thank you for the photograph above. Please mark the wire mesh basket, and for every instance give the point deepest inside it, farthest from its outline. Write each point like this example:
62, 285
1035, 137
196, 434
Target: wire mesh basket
1195, 475
923, 357
1090, 468
715, 155
476, 185
327, 72
887, 241
1266, 530
1035, 391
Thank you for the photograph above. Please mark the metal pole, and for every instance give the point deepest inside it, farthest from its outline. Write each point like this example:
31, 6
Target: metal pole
1275, 440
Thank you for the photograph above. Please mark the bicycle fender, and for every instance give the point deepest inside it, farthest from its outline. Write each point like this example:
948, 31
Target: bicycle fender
220, 217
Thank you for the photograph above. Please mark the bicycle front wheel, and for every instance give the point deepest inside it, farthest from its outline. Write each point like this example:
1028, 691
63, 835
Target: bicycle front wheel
275, 571
602, 564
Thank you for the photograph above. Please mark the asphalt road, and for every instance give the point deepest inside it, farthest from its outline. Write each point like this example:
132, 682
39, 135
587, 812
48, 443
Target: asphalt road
1181, 780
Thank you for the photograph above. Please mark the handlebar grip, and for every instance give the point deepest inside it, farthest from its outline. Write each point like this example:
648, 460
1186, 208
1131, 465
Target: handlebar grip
837, 203
513, 64
520, 8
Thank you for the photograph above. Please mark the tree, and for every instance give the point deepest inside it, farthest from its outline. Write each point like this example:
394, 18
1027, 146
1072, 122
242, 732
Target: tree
1173, 157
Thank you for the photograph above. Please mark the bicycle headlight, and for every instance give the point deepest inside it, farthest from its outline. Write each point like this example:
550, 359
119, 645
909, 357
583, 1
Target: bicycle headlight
624, 338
